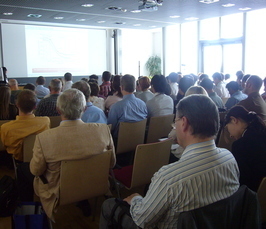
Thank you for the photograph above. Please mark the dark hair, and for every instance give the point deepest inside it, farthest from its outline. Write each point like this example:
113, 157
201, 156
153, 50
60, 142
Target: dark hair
173, 77
68, 76
144, 83
26, 101
5, 94
233, 85
85, 79
207, 84
29, 86
93, 76
185, 83
128, 83
40, 80
203, 76
159, 83
218, 76
116, 85
245, 77
255, 81
253, 121
84, 87
240, 74
106, 76
193, 107
227, 76
94, 88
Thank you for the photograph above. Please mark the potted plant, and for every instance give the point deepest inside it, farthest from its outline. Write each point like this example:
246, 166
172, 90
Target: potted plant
153, 65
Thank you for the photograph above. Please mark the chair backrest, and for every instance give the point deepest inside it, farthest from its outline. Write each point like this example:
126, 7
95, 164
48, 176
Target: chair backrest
2, 148
84, 179
159, 127
149, 158
262, 199
130, 135
55, 121
28, 144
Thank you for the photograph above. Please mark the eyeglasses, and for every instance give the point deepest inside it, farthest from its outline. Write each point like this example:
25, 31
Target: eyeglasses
177, 119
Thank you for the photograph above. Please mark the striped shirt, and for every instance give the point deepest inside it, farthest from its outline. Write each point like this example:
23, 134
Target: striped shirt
204, 174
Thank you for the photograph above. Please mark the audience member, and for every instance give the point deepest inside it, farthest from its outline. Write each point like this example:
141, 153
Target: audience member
72, 140
196, 90
250, 146
254, 101
185, 83
30, 86
67, 81
94, 78
129, 109
47, 106
236, 95
91, 113
204, 174
264, 93
40, 90
227, 77
146, 94
243, 82
8, 111
14, 132
97, 101
207, 84
239, 75
173, 79
105, 87
160, 104
202, 77
13, 84
219, 88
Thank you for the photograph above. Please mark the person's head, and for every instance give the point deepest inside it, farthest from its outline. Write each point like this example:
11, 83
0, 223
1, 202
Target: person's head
71, 104
144, 83
26, 101
106, 76
217, 77
202, 77
116, 85
68, 76
244, 80
264, 84
196, 90
253, 84
85, 79
128, 84
13, 84
94, 77
158, 84
173, 77
232, 87
95, 89
227, 76
55, 86
207, 84
238, 119
40, 80
29, 86
5, 93
192, 120
84, 87
185, 83
239, 75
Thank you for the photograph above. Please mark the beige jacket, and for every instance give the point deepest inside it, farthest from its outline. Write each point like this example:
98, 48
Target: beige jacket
71, 140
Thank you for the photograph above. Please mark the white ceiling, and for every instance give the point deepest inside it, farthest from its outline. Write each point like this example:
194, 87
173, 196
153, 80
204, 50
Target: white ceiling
71, 11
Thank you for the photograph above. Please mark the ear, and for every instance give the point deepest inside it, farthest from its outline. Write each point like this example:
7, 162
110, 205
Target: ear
185, 124
234, 120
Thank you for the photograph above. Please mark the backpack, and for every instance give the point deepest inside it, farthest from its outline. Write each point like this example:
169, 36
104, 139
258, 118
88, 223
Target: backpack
8, 196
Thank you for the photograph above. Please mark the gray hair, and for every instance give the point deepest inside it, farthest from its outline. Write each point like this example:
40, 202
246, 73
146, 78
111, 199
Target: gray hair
202, 115
56, 84
196, 90
71, 103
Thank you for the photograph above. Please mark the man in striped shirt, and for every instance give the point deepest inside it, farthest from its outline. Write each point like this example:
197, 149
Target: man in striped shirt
204, 174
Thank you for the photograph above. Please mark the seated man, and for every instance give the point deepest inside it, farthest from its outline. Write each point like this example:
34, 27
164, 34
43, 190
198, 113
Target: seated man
73, 139
91, 113
203, 175
40, 90
14, 132
129, 109
13, 84
68, 81
235, 93
47, 106
105, 87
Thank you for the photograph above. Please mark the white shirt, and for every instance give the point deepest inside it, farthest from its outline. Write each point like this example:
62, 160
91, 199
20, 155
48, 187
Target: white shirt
160, 105
174, 88
67, 85
221, 90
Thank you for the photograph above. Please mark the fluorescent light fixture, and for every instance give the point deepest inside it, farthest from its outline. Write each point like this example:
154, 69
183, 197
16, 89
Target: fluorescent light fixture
153, 26
174, 16
191, 18
8, 14
34, 15
208, 1
228, 5
58, 18
82, 19
245, 8
100, 22
137, 25
135, 11
87, 5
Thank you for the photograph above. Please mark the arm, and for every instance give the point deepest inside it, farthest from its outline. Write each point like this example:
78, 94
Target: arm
113, 117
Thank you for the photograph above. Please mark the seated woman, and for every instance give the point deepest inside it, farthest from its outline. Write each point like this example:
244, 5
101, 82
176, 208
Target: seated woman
94, 99
8, 111
146, 94
249, 149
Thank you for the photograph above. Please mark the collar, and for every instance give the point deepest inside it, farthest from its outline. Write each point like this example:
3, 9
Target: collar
129, 96
199, 148
71, 122
18, 117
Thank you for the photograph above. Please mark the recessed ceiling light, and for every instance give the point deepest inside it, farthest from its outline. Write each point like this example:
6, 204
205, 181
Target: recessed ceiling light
58, 18
8, 14
228, 5
34, 15
191, 18
137, 25
135, 11
208, 1
100, 22
87, 5
245, 8
82, 19
153, 26
174, 16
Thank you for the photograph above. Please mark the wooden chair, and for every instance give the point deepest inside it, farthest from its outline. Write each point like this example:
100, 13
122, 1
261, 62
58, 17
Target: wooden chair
262, 199
84, 179
130, 135
149, 158
28, 144
159, 127
55, 121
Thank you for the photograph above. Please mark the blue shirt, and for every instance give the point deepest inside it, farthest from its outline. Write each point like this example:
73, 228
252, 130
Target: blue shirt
234, 99
129, 109
93, 114
41, 91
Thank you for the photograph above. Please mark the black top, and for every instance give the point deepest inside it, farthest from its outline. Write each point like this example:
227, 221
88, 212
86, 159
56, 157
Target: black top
13, 112
250, 154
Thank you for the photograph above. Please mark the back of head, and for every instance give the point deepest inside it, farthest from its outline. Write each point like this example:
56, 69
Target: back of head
144, 83
218, 76
84, 87
207, 84
173, 77
159, 83
193, 107
227, 76
71, 104
40, 80
128, 83
94, 89
203, 76
185, 83
106, 76
13, 83
255, 82
116, 85
95, 77
29, 86
196, 90
68, 76
26, 101
55, 85
233, 85
240, 74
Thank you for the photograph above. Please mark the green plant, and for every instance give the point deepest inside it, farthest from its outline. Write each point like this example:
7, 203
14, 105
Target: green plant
153, 65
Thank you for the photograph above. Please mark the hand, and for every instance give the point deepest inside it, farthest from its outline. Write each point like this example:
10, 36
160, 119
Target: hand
129, 198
